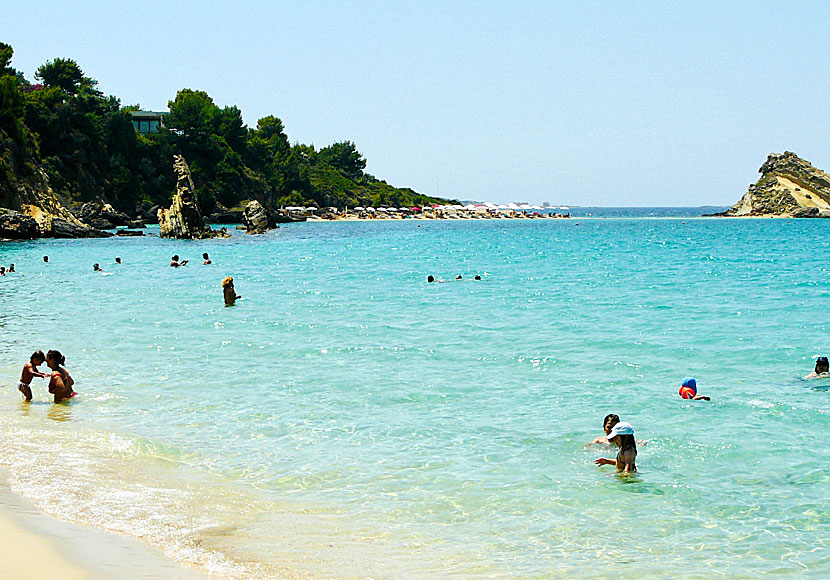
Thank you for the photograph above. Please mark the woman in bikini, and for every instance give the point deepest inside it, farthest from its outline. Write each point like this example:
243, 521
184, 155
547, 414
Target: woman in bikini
60, 383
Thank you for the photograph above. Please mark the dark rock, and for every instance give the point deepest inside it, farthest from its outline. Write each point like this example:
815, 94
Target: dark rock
129, 233
17, 226
136, 224
256, 219
99, 223
65, 229
806, 212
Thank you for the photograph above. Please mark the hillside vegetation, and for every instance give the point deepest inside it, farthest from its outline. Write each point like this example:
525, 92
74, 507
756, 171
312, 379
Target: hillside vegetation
62, 127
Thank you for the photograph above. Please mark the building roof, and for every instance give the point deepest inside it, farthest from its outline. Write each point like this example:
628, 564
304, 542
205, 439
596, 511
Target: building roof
147, 114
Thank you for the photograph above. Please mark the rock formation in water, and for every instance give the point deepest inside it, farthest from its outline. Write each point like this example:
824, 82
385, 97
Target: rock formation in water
256, 218
183, 220
789, 187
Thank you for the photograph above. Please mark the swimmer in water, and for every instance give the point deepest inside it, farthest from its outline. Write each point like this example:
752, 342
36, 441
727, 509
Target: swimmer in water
688, 390
822, 369
607, 424
207, 259
174, 262
2, 270
118, 259
46, 259
24, 385
430, 278
96, 267
229, 291
622, 435
11, 269
477, 277
61, 383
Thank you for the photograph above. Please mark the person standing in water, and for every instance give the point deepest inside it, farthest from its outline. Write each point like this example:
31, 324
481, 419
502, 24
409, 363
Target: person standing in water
207, 259
822, 369
607, 425
61, 383
24, 385
622, 435
229, 291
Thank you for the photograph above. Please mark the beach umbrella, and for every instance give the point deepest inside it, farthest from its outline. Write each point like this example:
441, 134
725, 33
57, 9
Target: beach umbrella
403, 209
370, 209
415, 208
310, 208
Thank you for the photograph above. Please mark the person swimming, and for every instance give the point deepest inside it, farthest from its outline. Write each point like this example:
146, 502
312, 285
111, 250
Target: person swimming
2, 270
96, 267
430, 278
229, 291
61, 383
477, 277
46, 259
11, 269
175, 263
206, 259
822, 369
688, 390
622, 435
118, 259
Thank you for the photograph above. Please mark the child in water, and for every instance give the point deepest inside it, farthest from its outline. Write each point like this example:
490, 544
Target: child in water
622, 435
61, 383
229, 291
607, 424
24, 385
688, 390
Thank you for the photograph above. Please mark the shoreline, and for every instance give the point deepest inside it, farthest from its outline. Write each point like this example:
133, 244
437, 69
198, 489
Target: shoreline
38, 546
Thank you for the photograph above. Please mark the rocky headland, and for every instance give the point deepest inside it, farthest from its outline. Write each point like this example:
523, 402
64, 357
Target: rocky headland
789, 187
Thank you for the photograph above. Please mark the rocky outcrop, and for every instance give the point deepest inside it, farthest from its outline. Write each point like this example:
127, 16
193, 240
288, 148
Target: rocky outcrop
789, 187
183, 220
17, 226
102, 216
257, 219
223, 215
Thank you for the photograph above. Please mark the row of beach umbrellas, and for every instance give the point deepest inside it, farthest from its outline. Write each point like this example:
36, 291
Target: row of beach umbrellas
457, 207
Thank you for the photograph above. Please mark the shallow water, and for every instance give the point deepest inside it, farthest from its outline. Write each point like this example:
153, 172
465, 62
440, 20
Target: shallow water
347, 418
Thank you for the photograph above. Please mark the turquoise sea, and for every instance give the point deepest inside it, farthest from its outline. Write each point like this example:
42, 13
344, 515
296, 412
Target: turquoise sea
347, 419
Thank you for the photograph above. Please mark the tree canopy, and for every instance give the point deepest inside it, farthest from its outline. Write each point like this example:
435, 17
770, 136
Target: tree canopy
86, 143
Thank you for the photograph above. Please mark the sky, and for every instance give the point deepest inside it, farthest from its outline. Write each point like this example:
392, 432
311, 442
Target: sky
575, 103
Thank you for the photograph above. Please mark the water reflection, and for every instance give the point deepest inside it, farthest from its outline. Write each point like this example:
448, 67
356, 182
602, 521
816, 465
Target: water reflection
60, 411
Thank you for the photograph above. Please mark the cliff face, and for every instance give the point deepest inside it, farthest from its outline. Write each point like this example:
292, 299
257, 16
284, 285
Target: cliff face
25, 191
789, 186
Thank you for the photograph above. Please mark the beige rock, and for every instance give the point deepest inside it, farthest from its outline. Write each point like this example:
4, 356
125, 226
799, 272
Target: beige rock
184, 220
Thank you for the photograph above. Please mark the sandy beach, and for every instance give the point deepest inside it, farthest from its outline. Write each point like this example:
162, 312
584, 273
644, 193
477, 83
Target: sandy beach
36, 546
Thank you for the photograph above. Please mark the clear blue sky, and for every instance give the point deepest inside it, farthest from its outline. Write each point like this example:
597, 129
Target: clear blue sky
582, 103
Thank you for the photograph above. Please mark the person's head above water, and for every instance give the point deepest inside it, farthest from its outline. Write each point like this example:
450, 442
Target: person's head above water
54, 359
621, 428
227, 282
822, 365
609, 422
205, 255
175, 258
96, 267
45, 258
430, 278
477, 277
118, 259
458, 277
688, 388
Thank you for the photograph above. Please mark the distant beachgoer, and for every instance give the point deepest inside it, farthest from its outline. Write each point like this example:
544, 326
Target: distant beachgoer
607, 424
2, 270
822, 369
174, 262
11, 269
46, 259
207, 259
458, 277
622, 435
229, 291
477, 277
688, 390
61, 383
118, 259
96, 267
24, 385
430, 278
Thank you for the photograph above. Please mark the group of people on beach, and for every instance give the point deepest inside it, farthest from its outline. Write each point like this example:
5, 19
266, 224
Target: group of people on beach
60, 382
621, 433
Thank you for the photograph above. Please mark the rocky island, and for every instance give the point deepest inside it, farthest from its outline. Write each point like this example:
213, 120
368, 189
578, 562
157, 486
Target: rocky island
789, 187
